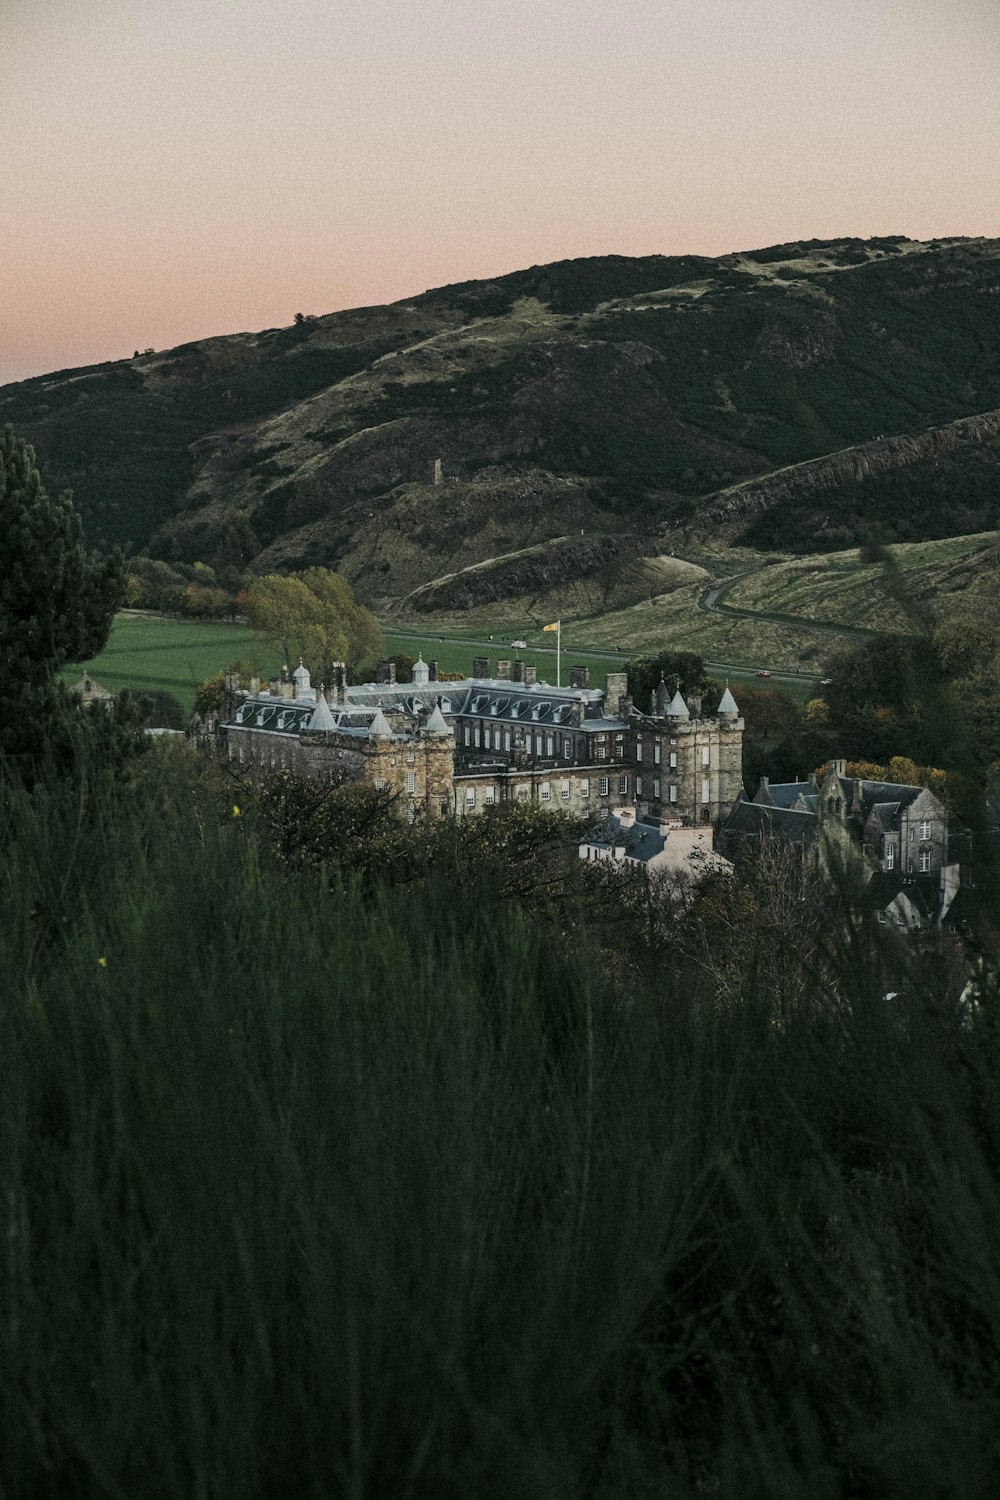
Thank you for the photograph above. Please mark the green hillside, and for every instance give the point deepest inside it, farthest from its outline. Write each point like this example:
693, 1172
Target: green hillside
619, 402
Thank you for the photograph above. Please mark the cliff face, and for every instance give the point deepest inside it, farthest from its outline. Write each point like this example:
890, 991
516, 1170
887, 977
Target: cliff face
851, 466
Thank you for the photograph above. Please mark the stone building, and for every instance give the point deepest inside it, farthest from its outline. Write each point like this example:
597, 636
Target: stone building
688, 764
459, 747
899, 834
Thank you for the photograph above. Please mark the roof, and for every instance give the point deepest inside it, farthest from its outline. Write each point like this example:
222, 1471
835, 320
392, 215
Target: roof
322, 721
784, 793
727, 703
755, 820
640, 842
677, 708
436, 724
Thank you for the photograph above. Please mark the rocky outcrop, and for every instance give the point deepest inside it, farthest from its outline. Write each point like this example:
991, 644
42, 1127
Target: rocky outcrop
850, 465
529, 572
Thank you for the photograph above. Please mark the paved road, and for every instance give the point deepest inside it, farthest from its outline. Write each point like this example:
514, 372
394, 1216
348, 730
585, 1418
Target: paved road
724, 669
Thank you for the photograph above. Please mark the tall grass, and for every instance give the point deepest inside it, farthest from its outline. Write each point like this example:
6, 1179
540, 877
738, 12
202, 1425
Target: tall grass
314, 1192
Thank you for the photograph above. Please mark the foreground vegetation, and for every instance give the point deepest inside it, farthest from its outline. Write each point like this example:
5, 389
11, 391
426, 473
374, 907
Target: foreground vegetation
440, 1174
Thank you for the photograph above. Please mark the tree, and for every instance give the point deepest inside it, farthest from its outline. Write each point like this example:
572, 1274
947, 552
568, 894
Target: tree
313, 615
678, 669
56, 602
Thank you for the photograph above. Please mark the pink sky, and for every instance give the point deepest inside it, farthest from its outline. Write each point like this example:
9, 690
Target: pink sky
179, 168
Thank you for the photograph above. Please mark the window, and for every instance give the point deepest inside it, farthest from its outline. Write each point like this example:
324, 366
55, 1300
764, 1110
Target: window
656, 788
925, 829
564, 791
925, 861
567, 747
673, 794
489, 795
506, 739
477, 734
890, 856
656, 752
468, 734
381, 784
913, 834
411, 781
673, 760
521, 793
638, 751
638, 786
411, 760
470, 796
704, 789
603, 786
550, 744
705, 753
623, 785
584, 788
545, 791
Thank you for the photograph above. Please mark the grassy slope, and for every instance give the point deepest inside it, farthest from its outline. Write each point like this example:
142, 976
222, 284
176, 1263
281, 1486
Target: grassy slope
317, 1189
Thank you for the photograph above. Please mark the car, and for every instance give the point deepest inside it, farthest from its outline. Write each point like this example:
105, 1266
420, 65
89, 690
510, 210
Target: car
763, 672
519, 645
825, 681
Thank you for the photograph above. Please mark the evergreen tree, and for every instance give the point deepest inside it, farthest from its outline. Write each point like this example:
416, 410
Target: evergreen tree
56, 602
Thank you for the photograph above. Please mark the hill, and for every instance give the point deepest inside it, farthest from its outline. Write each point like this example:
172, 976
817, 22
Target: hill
587, 413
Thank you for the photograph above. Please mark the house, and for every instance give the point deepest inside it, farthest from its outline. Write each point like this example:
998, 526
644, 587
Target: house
666, 848
89, 690
899, 833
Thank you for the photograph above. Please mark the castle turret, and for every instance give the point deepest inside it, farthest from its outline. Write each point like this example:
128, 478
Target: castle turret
421, 672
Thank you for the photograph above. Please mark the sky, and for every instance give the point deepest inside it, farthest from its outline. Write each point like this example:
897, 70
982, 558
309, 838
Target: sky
174, 169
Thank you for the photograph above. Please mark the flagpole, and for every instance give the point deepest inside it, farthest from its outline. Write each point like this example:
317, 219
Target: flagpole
559, 654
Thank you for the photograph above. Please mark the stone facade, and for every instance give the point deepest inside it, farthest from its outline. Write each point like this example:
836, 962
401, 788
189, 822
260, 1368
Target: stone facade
462, 747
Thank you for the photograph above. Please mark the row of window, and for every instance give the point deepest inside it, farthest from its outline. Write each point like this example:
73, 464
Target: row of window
671, 789
923, 865
705, 755
564, 790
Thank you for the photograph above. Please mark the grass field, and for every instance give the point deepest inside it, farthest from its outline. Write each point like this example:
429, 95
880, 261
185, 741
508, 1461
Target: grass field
175, 656
152, 651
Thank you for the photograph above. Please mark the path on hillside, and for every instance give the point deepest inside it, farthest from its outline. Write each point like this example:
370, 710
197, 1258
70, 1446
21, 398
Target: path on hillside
712, 597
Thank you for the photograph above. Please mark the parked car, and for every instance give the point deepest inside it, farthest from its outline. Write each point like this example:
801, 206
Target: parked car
763, 672
519, 645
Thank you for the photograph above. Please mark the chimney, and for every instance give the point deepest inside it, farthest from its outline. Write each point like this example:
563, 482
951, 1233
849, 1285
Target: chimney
438, 474
579, 677
385, 673
432, 668
255, 684
481, 666
518, 670
765, 781
839, 767
625, 816
530, 676
503, 670
337, 690
615, 691
694, 705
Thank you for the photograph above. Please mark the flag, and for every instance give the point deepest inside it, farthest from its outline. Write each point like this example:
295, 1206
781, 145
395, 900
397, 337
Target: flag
554, 626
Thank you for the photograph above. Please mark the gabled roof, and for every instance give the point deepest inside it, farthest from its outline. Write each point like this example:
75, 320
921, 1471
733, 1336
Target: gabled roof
784, 793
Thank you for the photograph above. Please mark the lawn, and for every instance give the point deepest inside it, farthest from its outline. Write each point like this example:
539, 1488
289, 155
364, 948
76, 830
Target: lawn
151, 651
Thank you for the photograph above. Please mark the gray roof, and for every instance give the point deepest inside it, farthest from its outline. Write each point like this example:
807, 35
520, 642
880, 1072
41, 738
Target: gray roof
727, 703
640, 842
783, 793
322, 721
379, 727
436, 723
677, 708
754, 820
